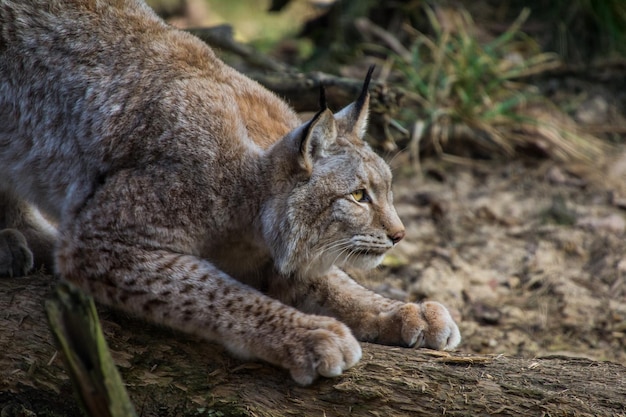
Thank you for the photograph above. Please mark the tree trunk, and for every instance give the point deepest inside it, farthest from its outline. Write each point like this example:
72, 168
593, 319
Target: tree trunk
169, 374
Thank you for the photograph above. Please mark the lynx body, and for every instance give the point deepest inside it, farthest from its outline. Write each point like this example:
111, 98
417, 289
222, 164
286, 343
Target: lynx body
187, 194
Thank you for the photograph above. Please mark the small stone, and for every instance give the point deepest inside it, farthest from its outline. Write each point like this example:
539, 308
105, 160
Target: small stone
593, 111
613, 223
486, 314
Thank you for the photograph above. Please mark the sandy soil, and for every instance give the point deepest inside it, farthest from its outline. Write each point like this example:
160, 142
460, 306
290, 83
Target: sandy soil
529, 256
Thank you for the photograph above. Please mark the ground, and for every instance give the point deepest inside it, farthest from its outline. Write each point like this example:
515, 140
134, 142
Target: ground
529, 257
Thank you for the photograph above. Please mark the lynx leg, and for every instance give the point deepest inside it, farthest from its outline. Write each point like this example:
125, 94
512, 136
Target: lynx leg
372, 317
26, 238
125, 270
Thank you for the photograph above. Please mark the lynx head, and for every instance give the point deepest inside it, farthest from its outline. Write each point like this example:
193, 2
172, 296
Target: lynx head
331, 200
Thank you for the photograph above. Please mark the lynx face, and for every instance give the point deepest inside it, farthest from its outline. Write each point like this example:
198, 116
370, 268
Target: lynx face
336, 206
353, 222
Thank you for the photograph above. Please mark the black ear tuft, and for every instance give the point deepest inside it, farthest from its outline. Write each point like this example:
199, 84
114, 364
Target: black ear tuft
307, 128
364, 92
323, 107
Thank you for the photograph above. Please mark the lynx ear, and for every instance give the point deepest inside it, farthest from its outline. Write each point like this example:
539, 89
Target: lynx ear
354, 116
318, 135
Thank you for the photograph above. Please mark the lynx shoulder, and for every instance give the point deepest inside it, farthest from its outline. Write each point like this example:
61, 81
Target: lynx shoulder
185, 193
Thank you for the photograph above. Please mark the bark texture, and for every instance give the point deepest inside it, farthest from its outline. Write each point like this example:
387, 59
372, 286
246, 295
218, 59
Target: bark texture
169, 374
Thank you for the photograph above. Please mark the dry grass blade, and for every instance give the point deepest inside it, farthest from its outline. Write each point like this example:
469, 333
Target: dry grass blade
464, 85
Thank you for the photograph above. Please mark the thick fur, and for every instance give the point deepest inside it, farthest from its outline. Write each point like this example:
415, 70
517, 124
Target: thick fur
187, 194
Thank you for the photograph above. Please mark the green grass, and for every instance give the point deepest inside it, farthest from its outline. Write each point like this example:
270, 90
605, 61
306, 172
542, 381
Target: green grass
479, 90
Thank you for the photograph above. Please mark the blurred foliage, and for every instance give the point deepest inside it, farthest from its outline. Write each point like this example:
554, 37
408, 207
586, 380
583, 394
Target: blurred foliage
468, 86
253, 24
579, 30
472, 90
250, 19
456, 79
575, 29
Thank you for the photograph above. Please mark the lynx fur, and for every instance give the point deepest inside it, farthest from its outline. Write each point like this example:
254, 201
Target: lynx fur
188, 195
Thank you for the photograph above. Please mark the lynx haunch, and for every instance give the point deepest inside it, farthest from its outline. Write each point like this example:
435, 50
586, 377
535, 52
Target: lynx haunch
187, 194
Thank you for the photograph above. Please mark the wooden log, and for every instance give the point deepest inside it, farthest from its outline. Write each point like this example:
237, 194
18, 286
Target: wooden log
170, 374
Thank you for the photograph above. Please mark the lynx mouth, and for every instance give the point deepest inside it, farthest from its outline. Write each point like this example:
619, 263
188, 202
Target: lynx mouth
369, 252
366, 258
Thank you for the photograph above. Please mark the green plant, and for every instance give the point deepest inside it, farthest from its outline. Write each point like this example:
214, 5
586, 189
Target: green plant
476, 91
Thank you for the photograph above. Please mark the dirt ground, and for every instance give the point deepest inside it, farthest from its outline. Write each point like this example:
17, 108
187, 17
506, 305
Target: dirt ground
529, 256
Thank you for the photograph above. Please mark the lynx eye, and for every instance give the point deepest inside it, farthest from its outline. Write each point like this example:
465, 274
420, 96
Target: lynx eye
361, 196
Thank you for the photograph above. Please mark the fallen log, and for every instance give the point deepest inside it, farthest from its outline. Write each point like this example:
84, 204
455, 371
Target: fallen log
169, 374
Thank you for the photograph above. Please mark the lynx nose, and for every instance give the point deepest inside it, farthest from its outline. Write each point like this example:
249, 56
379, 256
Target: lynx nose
397, 236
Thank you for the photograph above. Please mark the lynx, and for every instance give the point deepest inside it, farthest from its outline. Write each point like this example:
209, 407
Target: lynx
183, 192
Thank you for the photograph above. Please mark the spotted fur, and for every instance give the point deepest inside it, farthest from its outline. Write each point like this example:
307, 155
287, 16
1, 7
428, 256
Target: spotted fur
187, 194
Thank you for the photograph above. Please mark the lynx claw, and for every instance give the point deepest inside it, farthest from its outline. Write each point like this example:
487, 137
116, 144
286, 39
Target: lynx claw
417, 339
15, 257
420, 325
441, 332
329, 352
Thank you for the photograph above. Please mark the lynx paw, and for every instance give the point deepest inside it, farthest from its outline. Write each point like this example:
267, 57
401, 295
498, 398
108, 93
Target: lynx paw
327, 350
15, 257
421, 325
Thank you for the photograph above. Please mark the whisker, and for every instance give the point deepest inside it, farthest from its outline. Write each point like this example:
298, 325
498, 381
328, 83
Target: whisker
340, 253
324, 250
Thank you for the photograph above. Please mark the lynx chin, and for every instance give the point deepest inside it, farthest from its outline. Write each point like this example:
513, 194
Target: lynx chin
188, 195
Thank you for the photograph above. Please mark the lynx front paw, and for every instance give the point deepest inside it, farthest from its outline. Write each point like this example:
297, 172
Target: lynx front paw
327, 350
15, 257
421, 325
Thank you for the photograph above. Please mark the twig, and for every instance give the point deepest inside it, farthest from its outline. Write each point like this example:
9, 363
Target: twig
414, 145
221, 37
76, 328
365, 26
